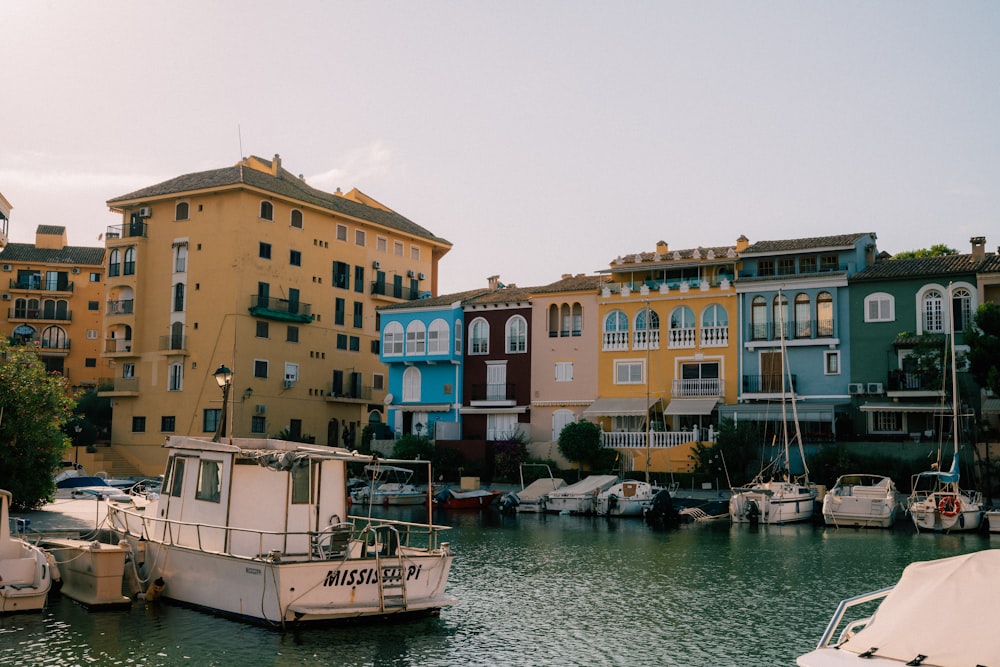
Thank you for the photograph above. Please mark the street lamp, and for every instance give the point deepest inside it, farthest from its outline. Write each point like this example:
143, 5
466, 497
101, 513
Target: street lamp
224, 377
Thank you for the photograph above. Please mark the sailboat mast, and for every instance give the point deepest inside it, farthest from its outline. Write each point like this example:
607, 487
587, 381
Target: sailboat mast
648, 374
786, 375
954, 377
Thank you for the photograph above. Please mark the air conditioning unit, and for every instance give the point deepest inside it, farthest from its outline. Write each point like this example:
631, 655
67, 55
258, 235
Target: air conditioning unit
875, 388
410, 274
260, 409
288, 384
8, 267
421, 276
76, 270
6, 297
145, 212
376, 264
855, 388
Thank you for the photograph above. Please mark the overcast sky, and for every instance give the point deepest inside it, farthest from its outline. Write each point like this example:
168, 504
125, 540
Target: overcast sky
539, 137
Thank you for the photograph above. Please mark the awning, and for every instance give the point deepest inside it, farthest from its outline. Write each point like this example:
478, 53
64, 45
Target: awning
991, 406
691, 406
618, 407
906, 407
24, 330
514, 410
426, 407
808, 412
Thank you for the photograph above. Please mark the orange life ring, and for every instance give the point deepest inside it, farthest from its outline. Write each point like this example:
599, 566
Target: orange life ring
949, 506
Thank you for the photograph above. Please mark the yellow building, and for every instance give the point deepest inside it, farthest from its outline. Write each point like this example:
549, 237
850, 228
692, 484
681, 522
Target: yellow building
668, 352
53, 294
250, 269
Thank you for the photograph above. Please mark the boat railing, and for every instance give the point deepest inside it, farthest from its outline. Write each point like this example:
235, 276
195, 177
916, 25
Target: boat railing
853, 627
336, 540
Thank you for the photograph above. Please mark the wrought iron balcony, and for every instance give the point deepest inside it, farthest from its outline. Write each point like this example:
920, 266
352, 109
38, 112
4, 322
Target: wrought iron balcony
767, 384
280, 309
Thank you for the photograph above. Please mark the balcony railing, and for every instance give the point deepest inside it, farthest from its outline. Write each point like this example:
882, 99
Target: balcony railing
121, 307
804, 330
54, 344
615, 341
657, 439
646, 338
767, 384
40, 284
127, 231
492, 392
115, 345
715, 336
40, 314
363, 392
395, 291
682, 338
914, 381
700, 387
280, 309
173, 342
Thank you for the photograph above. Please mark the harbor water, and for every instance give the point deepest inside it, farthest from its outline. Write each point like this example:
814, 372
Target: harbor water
539, 590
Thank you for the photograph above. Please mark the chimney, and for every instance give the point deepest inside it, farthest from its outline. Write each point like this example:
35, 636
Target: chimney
276, 165
978, 248
494, 282
661, 248
742, 243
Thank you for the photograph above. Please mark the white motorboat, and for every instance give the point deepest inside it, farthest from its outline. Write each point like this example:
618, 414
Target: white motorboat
864, 501
258, 529
25, 571
936, 501
773, 497
627, 498
390, 485
581, 497
533, 497
941, 612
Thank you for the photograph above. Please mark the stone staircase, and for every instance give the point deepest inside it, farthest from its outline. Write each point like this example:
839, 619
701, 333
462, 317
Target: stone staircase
108, 460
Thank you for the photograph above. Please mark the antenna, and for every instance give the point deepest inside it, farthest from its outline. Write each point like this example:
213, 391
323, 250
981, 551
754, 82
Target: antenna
239, 134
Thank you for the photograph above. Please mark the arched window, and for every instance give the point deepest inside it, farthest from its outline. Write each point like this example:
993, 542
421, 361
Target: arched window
682, 328
803, 316
53, 338
416, 338
880, 307
758, 318
266, 210
438, 337
62, 309
615, 331
181, 211
128, 266
516, 335
177, 336
49, 309
714, 326
577, 325
20, 308
961, 308
565, 320
479, 336
114, 263
553, 320
411, 384
932, 308
393, 336
824, 314
780, 316
296, 218
647, 330
23, 334
178, 297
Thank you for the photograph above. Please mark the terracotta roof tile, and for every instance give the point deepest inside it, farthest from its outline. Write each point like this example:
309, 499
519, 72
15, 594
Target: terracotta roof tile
814, 243
76, 255
941, 265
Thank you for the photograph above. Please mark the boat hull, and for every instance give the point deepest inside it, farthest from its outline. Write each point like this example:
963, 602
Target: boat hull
926, 515
861, 501
773, 503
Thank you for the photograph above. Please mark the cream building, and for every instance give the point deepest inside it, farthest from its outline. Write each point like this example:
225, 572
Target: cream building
250, 269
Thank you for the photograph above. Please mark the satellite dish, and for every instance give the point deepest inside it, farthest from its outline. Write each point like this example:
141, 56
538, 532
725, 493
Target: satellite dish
388, 399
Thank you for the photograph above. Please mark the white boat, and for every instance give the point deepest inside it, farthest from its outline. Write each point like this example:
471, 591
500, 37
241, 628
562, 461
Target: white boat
581, 497
531, 498
865, 501
773, 497
627, 498
936, 501
25, 571
257, 529
993, 520
941, 612
390, 485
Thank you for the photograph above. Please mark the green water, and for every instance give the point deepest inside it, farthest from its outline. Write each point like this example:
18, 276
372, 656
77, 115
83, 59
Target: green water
541, 590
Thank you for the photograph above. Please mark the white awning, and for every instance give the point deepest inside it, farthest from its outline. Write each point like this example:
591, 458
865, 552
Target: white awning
906, 407
991, 406
426, 407
514, 410
691, 406
808, 412
617, 407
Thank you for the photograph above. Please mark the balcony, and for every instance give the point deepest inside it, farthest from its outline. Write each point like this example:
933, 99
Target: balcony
395, 291
51, 314
120, 307
696, 388
492, 393
767, 384
122, 387
656, 439
644, 339
715, 336
118, 345
61, 345
927, 382
339, 393
36, 283
615, 341
682, 338
173, 343
131, 230
280, 309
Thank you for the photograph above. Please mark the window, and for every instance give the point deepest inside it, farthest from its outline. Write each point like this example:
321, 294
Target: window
95, 277
932, 309
93, 305
381, 243
257, 424
138, 424
765, 267
564, 371
341, 341
516, 335
128, 371
180, 257
181, 211
341, 232
175, 477
501, 426
168, 424
416, 338
411, 384
415, 253
616, 331
295, 218
458, 337
786, 266
266, 210
629, 372
714, 326
264, 250
260, 368
175, 377
879, 307
178, 297
301, 486
339, 308
90, 362
128, 265
647, 330
393, 339
359, 315
831, 362
807, 265
576, 326
114, 263
803, 316
560, 418
886, 422
438, 337
262, 329
341, 275
961, 308
479, 336
359, 237
824, 314
92, 334
359, 279
354, 344
291, 372
397, 248
292, 334
209, 481
682, 328
378, 381
828, 263
295, 257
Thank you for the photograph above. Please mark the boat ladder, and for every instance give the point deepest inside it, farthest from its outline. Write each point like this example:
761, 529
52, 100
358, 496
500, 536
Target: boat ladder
391, 580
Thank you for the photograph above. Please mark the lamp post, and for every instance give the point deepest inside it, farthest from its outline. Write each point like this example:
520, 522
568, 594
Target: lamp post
224, 377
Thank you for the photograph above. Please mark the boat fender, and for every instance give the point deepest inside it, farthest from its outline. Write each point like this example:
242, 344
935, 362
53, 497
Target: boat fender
53, 568
154, 591
949, 506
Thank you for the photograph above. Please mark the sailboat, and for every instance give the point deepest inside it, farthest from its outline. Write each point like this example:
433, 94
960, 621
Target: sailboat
936, 501
773, 497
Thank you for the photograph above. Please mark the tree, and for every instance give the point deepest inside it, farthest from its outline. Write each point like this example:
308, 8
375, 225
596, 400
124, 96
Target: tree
936, 250
736, 447
34, 405
580, 442
983, 339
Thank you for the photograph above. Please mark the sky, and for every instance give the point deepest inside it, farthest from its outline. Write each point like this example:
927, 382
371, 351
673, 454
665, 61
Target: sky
539, 137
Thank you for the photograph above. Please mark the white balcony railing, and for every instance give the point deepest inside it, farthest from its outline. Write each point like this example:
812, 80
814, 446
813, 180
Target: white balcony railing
644, 337
615, 341
715, 336
682, 338
657, 439
701, 387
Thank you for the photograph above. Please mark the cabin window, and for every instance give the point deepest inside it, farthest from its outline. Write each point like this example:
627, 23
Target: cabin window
176, 481
300, 484
209, 481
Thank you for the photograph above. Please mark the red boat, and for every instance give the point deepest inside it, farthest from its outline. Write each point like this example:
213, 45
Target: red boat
465, 500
